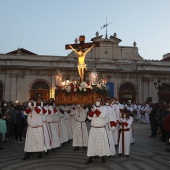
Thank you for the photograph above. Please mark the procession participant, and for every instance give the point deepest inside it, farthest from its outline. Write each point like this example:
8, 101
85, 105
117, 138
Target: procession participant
57, 123
134, 112
124, 133
121, 106
68, 121
139, 106
98, 144
72, 115
111, 123
144, 113
46, 130
116, 109
129, 107
34, 142
80, 134
55, 138
64, 129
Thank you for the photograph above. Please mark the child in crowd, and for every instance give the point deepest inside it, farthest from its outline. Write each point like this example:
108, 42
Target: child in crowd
3, 129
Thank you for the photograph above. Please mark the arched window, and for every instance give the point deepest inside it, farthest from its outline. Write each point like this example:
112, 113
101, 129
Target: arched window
40, 90
40, 85
126, 88
127, 92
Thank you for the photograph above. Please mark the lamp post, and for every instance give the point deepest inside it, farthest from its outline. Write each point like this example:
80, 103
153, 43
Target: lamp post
159, 85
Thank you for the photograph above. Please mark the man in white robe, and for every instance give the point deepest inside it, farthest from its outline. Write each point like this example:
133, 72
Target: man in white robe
54, 135
116, 109
57, 123
64, 128
110, 126
46, 130
34, 142
80, 134
98, 144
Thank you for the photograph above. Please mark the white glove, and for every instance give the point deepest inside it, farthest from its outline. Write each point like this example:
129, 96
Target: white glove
93, 108
113, 128
120, 120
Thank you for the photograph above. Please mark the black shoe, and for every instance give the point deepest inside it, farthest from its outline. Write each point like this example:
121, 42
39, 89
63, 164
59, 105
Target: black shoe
47, 153
103, 159
167, 150
76, 149
119, 155
127, 155
152, 136
26, 157
39, 155
53, 150
1, 148
85, 148
89, 161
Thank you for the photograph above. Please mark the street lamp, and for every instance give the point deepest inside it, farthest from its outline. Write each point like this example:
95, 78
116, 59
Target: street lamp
159, 85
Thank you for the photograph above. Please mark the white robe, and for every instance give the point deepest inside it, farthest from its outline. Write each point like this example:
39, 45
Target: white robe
111, 117
73, 119
80, 133
69, 125
98, 144
132, 138
126, 137
34, 141
57, 124
64, 128
47, 137
116, 109
54, 135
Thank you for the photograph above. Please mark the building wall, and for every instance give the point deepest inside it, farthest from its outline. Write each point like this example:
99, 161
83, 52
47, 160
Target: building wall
119, 64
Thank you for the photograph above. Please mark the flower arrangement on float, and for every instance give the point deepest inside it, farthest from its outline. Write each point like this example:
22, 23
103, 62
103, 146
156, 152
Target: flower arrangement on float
81, 88
93, 85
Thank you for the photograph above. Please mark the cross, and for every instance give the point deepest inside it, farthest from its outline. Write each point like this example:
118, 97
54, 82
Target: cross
81, 53
82, 44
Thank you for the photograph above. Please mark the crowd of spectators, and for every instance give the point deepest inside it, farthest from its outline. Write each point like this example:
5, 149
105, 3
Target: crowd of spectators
161, 120
13, 122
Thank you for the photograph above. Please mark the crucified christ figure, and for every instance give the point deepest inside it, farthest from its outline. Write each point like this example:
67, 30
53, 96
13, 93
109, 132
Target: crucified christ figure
81, 59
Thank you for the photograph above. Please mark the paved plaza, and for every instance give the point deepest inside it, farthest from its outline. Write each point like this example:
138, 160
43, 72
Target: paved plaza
146, 154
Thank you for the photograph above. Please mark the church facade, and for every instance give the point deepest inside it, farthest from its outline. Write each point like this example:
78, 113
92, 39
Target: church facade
25, 75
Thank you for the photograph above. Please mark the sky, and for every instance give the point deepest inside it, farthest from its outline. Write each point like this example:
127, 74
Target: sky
45, 26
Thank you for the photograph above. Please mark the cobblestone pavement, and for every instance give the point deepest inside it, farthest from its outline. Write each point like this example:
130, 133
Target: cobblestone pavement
145, 154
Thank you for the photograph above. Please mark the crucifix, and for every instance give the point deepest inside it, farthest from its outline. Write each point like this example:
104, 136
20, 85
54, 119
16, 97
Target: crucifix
79, 49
